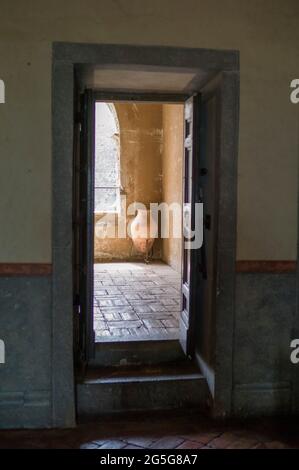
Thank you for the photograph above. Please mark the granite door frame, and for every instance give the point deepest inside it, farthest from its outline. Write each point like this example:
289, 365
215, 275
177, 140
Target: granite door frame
65, 56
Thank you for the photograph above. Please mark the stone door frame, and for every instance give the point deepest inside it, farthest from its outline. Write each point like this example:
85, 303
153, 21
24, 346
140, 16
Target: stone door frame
65, 56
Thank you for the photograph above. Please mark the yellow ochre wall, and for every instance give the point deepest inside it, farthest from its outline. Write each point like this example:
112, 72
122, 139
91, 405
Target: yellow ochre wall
266, 33
141, 141
151, 150
173, 125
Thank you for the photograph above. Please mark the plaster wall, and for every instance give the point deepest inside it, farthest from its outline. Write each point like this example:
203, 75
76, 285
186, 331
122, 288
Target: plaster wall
141, 142
267, 35
173, 128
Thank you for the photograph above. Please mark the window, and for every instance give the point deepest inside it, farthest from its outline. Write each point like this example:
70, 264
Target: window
107, 159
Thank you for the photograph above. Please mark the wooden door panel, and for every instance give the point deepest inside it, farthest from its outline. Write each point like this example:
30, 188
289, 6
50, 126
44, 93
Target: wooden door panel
189, 256
83, 227
208, 182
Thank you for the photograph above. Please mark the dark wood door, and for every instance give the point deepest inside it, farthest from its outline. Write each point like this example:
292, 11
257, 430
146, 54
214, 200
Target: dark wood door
191, 196
84, 227
209, 150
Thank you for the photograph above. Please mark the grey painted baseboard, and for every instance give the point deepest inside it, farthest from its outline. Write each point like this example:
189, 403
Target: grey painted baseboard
25, 327
263, 373
25, 409
262, 399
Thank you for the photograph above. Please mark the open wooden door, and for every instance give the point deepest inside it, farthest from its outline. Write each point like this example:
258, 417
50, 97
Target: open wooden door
190, 254
209, 151
198, 323
83, 227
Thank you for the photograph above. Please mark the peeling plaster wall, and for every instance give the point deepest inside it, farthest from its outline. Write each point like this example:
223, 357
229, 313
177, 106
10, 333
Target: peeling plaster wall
173, 125
141, 141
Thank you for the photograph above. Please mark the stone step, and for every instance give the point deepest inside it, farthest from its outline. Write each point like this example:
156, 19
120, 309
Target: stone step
130, 353
116, 390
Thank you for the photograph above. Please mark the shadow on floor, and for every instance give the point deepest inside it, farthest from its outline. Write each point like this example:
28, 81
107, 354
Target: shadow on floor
160, 430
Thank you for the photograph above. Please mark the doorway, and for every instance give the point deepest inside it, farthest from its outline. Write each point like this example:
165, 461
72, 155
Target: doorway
214, 76
139, 197
138, 170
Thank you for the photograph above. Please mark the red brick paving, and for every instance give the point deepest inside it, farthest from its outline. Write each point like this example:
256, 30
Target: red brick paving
159, 430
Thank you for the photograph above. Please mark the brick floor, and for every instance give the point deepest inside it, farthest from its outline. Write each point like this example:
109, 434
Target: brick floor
136, 301
161, 430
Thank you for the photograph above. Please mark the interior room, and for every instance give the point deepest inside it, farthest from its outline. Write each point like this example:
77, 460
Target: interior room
138, 160
110, 336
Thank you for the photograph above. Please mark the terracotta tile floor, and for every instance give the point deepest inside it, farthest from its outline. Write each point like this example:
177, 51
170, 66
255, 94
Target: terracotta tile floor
136, 301
176, 430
